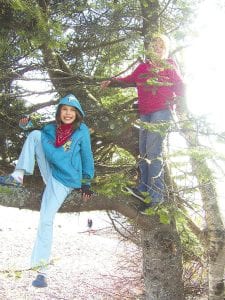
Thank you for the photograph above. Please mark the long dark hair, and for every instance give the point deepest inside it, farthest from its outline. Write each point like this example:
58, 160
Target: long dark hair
76, 123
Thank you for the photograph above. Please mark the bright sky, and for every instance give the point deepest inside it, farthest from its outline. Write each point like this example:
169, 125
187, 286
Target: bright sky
205, 64
205, 72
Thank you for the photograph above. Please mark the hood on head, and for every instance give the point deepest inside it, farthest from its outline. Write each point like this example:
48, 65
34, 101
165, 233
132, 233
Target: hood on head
71, 100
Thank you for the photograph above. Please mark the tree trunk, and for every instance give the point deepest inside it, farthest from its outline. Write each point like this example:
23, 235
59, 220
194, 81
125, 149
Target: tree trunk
216, 270
215, 231
162, 262
151, 20
215, 242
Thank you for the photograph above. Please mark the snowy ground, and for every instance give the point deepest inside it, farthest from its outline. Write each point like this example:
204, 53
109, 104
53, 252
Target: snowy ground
86, 265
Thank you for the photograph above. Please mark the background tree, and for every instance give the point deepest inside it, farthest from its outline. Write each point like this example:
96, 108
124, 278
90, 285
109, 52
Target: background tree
74, 46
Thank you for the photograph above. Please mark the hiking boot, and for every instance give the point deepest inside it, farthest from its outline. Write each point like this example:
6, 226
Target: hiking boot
40, 281
136, 193
8, 180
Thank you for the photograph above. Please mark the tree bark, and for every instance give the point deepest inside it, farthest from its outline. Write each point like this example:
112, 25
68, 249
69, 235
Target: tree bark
216, 266
151, 21
162, 263
215, 231
30, 198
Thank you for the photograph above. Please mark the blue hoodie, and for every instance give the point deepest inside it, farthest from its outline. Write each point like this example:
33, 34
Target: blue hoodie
72, 164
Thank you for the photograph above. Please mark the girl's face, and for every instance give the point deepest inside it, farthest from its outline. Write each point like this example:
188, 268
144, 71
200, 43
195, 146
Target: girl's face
67, 114
158, 48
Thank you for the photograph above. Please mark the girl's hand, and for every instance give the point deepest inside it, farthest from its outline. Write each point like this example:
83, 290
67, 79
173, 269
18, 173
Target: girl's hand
24, 121
105, 84
85, 198
86, 192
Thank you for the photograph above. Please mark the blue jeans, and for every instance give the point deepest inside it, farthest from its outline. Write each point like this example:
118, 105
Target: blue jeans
53, 196
151, 164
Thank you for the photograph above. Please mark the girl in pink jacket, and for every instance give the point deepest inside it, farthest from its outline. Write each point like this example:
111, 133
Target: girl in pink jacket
158, 84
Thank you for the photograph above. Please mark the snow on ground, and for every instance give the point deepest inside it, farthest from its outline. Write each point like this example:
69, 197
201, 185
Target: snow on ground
85, 264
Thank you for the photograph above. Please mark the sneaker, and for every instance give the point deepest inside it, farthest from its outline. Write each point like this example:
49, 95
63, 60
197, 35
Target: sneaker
40, 281
10, 181
136, 193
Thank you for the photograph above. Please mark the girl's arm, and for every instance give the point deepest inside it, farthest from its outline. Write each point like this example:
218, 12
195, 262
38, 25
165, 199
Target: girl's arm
179, 89
127, 81
87, 158
25, 123
87, 165
29, 123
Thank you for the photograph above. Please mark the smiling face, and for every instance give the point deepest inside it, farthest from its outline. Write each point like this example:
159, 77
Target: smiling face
158, 48
67, 114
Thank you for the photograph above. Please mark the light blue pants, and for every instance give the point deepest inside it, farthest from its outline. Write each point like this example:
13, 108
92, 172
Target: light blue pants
151, 164
53, 196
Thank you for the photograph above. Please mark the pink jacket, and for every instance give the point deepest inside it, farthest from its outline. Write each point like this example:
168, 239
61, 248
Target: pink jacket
156, 87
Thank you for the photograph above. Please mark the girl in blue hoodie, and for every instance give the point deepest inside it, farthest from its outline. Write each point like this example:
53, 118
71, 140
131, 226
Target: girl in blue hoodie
65, 159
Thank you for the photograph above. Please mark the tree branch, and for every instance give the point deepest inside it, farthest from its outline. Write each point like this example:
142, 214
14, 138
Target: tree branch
24, 198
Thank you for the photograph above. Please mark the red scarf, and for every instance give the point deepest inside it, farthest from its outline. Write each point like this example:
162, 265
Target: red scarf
63, 133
